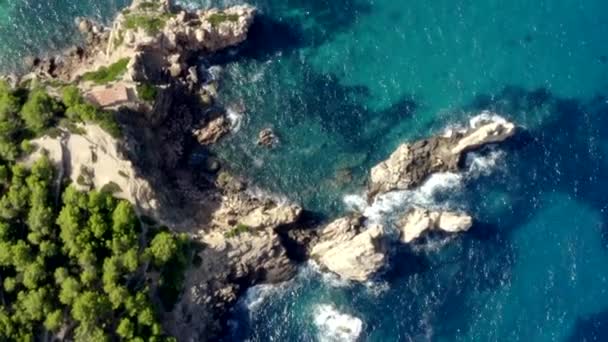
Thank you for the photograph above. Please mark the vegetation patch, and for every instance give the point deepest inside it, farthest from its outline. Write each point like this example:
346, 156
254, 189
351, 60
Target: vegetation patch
111, 73
111, 188
147, 92
78, 110
218, 18
238, 230
149, 5
81, 264
150, 23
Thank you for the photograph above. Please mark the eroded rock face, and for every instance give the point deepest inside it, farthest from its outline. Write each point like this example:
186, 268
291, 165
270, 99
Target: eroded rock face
183, 33
350, 250
419, 221
411, 164
241, 248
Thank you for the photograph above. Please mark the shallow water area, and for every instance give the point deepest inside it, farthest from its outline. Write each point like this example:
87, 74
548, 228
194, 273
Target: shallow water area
343, 83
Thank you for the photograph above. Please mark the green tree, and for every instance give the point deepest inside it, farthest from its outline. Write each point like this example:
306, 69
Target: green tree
125, 328
39, 110
90, 307
10, 284
70, 290
163, 248
34, 274
54, 321
71, 96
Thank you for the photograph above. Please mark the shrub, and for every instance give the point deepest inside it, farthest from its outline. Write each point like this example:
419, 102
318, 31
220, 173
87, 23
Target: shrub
217, 18
39, 110
147, 92
111, 73
151, 24
111, 188
238, 230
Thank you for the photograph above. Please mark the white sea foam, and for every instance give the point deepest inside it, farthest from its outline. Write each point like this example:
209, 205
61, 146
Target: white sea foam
474, 122
257, 295
483, 164
485, 117
397, 201
329, 278
477, 164
235, 117
335, 326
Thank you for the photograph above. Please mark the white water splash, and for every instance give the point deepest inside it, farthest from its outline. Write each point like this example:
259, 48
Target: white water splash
397, 201
476, 121
258, 294
486, 117
235, 117
334, 326
331, 279
483, 165
388, 204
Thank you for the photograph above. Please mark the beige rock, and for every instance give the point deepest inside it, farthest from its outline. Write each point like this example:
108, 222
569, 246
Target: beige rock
263, 217
419, 221
488, 133
267, 138
411, 164
349, 250
213, 131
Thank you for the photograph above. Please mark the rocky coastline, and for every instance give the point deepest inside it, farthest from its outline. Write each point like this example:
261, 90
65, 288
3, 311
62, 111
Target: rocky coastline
165, 103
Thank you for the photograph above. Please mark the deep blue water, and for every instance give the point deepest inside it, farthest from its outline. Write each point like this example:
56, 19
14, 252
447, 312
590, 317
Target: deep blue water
343, 82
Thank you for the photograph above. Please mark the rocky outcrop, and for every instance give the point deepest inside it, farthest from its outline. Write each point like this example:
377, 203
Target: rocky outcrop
350, 249
175, 36
411, 164
212, 130
93, 160
355, 251
241, 248
267, 138
419, 221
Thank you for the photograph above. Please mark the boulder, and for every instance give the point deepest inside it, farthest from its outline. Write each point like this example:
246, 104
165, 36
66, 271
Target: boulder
350, 250
267, 138
419, 221
213, 131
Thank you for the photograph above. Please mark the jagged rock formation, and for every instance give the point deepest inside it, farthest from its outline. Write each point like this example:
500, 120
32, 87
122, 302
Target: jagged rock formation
242, 248
411, 164
172, 35
354, 251
419, 221
351, 250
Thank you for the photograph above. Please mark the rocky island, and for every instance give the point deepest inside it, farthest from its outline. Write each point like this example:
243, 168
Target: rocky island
118, 120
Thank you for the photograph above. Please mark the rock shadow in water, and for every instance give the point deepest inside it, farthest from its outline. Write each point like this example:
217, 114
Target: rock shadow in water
591, 328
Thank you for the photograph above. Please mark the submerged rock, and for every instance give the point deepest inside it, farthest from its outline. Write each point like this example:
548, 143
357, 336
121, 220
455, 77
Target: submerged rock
351, 250
419, 221
411, 164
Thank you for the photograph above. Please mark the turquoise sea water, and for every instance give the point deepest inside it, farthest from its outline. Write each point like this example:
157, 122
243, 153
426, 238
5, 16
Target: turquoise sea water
343, 82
